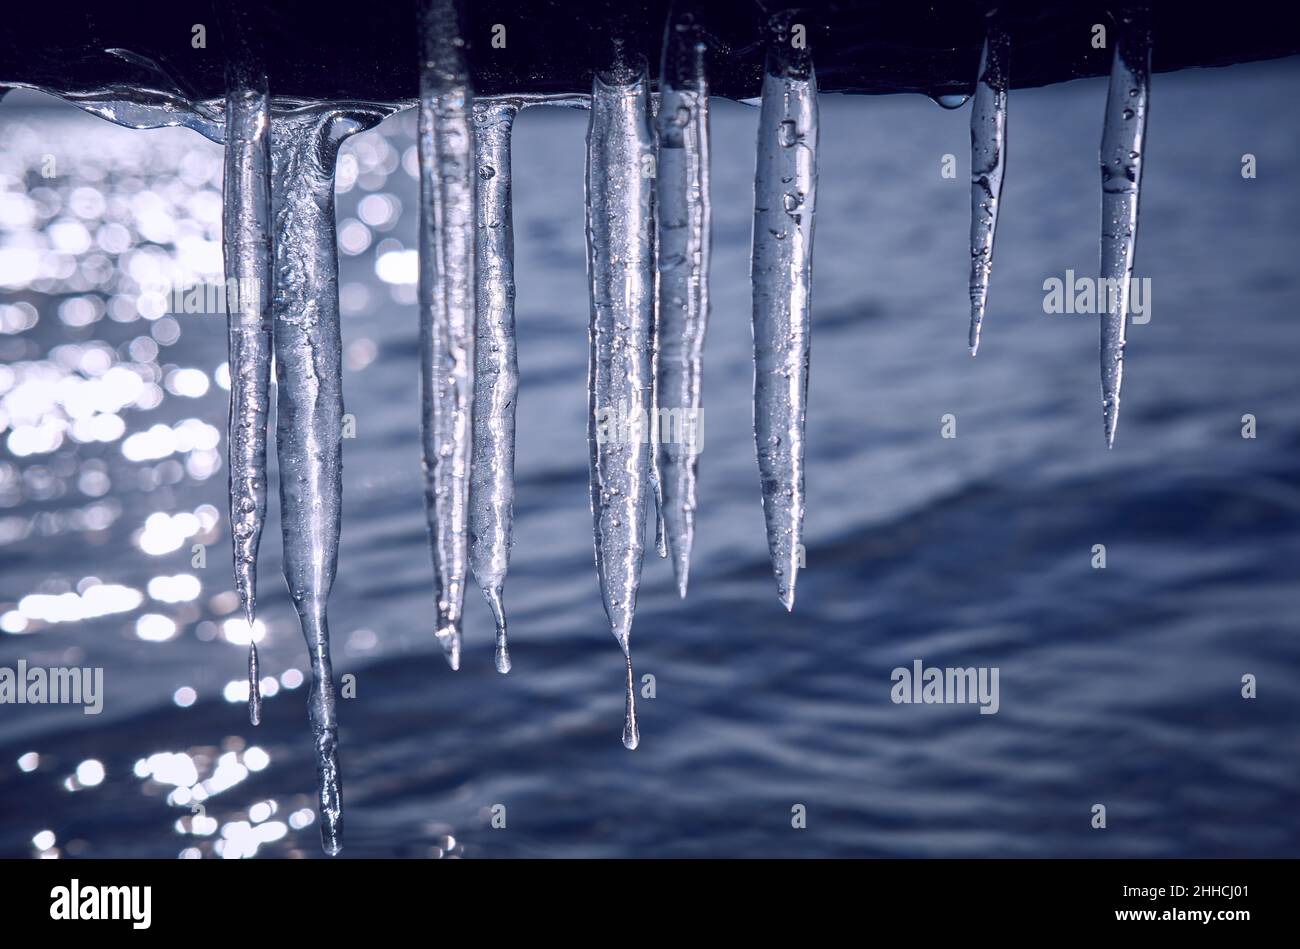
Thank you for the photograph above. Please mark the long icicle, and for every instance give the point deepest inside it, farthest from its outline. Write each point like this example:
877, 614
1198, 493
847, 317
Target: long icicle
496, 374
309, 401
988, 150
656, 475
447, 300
1122, 142
246, 239
684, 223
785, 193
620, 267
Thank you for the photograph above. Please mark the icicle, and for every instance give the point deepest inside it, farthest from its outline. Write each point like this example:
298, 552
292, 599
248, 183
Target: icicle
1122, 142
496, 374
246, 238
309, 417
785, 192
447, 300
631, 730
254, 683
652, 430
988, 148
656, 474
684, 230
496, 377
620, 266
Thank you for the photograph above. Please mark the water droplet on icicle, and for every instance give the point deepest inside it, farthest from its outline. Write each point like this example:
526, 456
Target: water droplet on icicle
447, 301
782, 291
1121, 179
988, 142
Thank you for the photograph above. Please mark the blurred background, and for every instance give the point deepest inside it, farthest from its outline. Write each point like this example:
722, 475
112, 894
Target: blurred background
1119, 686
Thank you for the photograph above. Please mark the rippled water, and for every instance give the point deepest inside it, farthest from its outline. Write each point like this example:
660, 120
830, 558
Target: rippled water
1118, 686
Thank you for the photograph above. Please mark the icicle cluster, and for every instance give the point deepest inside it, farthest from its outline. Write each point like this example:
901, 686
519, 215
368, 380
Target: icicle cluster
1122, 143
648, 242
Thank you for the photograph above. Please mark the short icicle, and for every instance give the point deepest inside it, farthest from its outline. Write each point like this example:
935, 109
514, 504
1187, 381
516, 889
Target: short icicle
496, 374
447, 302
1122, 144
246, 239
988, 149
683, 220
785, 193
631, 730
309, 400
620, 267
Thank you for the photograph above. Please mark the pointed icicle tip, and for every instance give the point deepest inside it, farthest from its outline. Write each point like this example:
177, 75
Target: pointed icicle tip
254, 675
631, 731
254, 684
785, 591
493, 597
624, 639
1110, 418
449, 637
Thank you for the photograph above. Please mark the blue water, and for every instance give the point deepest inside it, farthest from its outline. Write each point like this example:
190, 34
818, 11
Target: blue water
1119, 686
